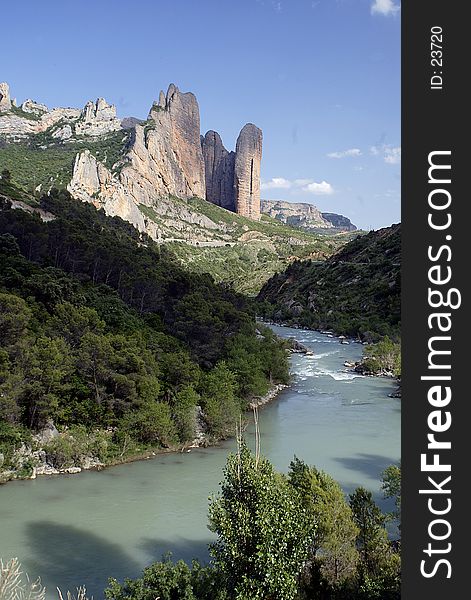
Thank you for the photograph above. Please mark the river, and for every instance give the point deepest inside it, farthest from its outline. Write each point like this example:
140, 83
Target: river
81, 529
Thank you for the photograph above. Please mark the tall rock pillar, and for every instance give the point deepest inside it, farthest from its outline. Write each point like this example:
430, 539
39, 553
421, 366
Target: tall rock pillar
5, 102
247, 171
219, 171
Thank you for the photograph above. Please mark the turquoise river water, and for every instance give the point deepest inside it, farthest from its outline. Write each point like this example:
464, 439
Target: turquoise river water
81, 529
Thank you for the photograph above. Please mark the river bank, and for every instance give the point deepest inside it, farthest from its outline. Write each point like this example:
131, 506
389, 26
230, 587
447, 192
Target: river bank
364, 366
34, 460
120, 520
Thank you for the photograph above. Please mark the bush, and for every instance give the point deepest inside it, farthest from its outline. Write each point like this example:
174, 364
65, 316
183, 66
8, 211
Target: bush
152, 425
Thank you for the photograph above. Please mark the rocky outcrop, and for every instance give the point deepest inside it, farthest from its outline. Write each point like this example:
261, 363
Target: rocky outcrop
126, 194
165, 159
169, 149
296, 214
339, 221
233, 178
305, 216
5, 101
63, 133
247, 171
93, 182
30, 106
97, 118
219, 171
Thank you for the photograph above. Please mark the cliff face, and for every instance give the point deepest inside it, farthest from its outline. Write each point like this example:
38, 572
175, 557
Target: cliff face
96, 119
339, 221
160, 159
219, 171
233, 178
305, 216
164, 159
172, 144
247, 171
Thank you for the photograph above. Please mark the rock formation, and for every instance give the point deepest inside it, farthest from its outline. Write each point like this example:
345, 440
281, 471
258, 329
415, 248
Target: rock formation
30, 106
339, 221
181, 118
248, 157
5, 102
97, 118
219, 171
164, 160
233, 178
305, 216
164, 157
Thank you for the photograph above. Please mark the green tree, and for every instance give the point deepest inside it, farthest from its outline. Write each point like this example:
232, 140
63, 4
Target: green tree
184, 413
166, 580
263, 530
333, 547
220, 405
73, 322
385, 355
15, 316
46, 372
6, 176
391, 486
151, 424
379, 569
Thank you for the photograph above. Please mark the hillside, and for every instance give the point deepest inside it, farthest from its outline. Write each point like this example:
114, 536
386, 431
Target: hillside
183, 190
354, 292
107, 338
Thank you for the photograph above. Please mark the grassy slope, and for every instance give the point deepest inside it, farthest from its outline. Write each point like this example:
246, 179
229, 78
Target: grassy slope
43, 160
253, 250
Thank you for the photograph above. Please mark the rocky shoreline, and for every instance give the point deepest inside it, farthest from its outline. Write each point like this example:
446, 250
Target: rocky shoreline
33, 463
354, 367
268, 397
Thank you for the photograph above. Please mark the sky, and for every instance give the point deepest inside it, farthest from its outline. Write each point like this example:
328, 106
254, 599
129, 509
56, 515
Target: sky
321, 78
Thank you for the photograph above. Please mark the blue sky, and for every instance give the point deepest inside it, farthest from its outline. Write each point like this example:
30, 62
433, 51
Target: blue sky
321, 78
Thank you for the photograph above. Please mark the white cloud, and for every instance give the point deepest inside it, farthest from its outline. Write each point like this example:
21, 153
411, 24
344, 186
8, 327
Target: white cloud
305, 185
385, 7
344, 153
319, 189
276, 183
392, 156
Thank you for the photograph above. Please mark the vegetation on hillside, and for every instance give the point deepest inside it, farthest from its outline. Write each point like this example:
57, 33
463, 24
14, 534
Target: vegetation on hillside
42, 160
355, 292
243, 253
105, 335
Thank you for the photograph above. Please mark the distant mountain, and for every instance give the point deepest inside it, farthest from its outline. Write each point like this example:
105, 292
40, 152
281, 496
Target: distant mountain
305, 216
339, 221
354, 292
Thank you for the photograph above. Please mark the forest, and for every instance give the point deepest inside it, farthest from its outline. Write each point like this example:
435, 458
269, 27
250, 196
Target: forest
105, 336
